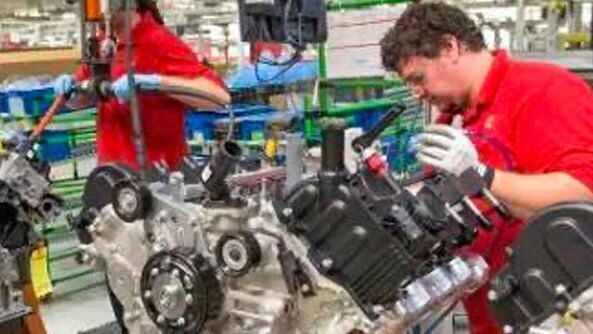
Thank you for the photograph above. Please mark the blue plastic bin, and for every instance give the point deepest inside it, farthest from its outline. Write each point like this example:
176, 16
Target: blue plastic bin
55, 145
33, 102
399, 155
203, 122
4, 103
253, 127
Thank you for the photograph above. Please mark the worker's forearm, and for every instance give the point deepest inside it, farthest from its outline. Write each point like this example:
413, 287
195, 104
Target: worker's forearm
527, 194
201, 84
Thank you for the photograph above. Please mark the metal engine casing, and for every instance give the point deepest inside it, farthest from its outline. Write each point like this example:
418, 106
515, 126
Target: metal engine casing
375, 240
261, 300
393, 251
27, 189
547, 286
25, 199
12, 305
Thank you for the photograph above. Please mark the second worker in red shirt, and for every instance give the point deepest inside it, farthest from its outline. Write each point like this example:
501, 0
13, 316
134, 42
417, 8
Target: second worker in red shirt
159, 58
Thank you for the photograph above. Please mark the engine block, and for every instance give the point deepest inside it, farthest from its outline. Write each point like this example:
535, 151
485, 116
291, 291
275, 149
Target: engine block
393, 251
208, 266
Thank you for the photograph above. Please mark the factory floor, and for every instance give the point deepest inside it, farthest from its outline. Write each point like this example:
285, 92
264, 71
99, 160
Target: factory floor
76, 305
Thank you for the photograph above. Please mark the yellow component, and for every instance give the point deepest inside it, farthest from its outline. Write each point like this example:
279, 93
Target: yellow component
271, 148
39, 273
1, 147
576, 37
567, 318
557, 5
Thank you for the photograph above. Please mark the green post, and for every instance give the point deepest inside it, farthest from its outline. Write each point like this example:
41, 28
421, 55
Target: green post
323, 90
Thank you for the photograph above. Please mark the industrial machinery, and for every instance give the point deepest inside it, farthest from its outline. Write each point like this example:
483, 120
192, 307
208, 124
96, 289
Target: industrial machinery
547, 285
25, 199
193, 257
393, 251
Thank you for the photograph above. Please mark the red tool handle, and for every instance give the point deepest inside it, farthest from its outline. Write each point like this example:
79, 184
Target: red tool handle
55, 107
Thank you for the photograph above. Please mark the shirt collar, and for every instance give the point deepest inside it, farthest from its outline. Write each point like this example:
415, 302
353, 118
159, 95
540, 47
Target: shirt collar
491, 84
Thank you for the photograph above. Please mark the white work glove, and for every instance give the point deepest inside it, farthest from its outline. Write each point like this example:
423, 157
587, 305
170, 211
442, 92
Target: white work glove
123, 92
447, 148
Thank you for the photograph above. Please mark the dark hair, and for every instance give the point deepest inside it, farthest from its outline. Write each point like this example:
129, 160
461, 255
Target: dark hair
150, 6
422, 30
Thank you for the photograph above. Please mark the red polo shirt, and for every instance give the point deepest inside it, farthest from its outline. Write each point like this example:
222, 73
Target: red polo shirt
156, 51
529, 118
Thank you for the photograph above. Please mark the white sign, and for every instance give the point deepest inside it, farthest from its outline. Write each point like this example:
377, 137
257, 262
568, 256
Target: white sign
353, 48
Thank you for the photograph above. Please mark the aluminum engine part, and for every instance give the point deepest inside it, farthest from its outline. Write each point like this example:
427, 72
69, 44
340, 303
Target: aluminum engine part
11, 298
27, 188
18, 174
443, 286
547, 286
158, 288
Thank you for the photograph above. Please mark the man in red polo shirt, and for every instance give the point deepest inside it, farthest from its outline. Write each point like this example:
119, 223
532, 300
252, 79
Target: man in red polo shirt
160, 58
527, 127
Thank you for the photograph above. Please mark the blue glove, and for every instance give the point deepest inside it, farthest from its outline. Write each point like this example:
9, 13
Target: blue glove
122, 90
64, 85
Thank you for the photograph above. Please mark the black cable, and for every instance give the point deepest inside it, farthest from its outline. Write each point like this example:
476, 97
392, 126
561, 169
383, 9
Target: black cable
177, 90
291, 62
139, 140
271, 62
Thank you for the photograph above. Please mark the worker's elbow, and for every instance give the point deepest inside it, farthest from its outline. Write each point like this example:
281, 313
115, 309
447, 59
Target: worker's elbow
225, 97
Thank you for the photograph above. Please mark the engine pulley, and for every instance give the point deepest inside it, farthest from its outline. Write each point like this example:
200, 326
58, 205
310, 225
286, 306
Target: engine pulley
180, 291
237, 253
131, 200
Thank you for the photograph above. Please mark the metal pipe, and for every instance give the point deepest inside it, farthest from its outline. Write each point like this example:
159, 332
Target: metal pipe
139, 142
294, 159
332, 145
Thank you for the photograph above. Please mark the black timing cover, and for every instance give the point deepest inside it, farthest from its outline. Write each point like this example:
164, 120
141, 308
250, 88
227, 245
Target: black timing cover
555, 249
97, 193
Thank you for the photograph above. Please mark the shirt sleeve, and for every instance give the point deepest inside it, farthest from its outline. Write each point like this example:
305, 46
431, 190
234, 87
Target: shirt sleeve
83, 72
554, 130
177, 59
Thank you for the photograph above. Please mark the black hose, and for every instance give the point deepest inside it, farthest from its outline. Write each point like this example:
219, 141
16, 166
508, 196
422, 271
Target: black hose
139, 140
176, 90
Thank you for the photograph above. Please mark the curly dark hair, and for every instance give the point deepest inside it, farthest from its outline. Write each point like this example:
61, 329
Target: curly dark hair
143, 6
422, 30
150, 6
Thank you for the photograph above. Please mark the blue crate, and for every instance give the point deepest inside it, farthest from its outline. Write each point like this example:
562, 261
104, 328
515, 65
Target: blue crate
55, 145
31, 102
4, 103
400, 156
202, 123
254, 127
